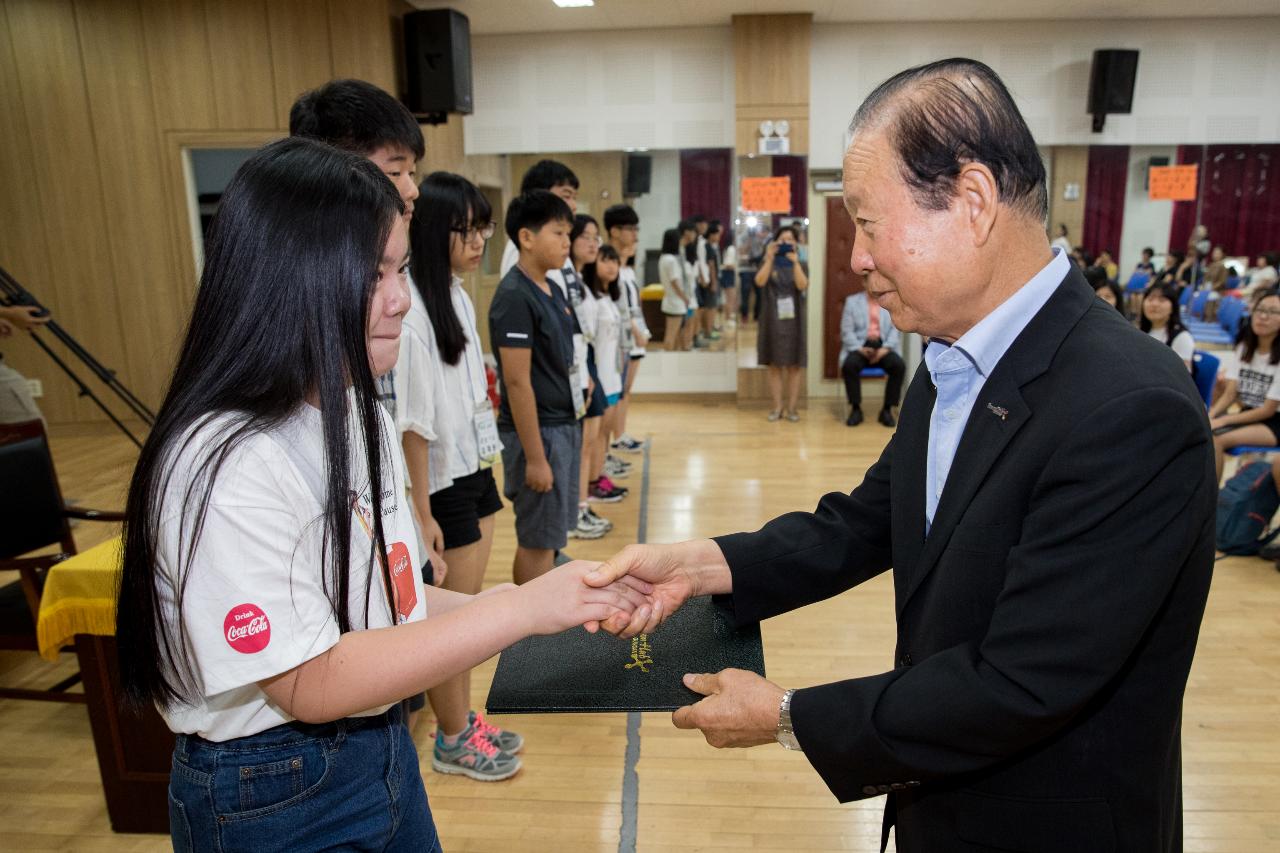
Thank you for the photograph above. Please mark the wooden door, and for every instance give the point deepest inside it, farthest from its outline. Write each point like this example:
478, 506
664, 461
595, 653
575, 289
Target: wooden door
841, 281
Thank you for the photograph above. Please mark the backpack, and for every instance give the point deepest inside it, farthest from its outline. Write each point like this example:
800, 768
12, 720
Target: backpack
1245, 506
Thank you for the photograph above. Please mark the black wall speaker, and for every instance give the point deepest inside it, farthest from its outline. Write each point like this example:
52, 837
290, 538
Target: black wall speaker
639, 171
437, 56
1111, 83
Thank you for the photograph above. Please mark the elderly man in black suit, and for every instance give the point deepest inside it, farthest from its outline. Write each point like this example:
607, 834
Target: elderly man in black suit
1049, 586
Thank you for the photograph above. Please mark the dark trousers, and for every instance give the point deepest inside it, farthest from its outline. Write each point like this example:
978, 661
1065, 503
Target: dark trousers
894, 369
747, 281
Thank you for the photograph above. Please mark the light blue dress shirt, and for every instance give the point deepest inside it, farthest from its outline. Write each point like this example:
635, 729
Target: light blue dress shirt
960, 370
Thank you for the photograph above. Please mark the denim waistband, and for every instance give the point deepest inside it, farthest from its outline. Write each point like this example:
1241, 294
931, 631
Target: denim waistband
291, 732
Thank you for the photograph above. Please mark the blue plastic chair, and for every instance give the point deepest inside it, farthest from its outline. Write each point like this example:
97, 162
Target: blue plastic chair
1185, 298
872, 372
1204, 370
1137, 282
1198, 302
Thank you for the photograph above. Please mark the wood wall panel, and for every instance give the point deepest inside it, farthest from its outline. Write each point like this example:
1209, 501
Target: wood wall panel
771, 76
243, 88
23, 250
360, 33
81, 289
181, 70
1070, 166
101, 98
301, 58
128, 158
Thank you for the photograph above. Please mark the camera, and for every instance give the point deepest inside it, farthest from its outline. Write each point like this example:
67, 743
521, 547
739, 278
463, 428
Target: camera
785, 248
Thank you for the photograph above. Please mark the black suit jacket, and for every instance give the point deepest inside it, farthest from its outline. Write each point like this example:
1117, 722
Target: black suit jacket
1046, 624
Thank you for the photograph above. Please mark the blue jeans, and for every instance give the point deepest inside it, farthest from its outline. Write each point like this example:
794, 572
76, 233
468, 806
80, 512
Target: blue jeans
353, 784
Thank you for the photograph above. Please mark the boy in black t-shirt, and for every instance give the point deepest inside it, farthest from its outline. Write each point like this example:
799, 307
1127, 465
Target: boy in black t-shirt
531, 329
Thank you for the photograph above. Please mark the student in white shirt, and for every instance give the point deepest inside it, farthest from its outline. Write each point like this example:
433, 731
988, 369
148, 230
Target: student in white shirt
1161, 320
1251, 382
270, 604
450, 437
676, 303
622, 225
602, 283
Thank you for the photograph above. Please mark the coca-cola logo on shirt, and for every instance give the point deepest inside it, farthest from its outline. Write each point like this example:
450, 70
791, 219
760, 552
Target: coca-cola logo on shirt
247, 629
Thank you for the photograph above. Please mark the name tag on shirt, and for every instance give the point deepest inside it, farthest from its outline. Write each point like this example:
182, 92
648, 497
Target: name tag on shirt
786, 308
487, 442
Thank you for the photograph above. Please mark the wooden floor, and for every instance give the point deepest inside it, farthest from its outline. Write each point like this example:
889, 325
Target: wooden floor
714, 469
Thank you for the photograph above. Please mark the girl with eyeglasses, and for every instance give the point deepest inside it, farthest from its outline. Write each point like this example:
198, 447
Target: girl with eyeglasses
1251, 382
450, 440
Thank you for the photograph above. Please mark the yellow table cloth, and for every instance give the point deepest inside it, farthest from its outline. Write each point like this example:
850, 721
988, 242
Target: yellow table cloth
79, 598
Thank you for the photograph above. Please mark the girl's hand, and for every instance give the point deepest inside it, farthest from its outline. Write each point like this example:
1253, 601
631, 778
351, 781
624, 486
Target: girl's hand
560, 599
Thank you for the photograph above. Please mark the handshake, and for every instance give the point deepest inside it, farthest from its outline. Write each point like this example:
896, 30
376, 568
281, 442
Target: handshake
633, 593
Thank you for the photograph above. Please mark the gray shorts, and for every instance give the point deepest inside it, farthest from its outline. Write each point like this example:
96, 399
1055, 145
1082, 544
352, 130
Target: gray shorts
543, 520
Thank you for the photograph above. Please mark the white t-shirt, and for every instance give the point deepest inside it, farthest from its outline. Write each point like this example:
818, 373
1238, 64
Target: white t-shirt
608, 344
1256, 380
1183, 344
458, 389
255, 604
510, 256
631, 310
671, 271
730, 259
416, 381
691, 282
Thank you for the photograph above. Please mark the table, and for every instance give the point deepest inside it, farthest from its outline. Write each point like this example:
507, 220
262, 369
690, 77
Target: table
134, 749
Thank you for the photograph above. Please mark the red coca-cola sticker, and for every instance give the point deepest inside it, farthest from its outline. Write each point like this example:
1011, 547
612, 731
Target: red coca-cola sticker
247, 629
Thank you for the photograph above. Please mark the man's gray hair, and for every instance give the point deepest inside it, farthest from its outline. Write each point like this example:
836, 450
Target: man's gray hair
948, 113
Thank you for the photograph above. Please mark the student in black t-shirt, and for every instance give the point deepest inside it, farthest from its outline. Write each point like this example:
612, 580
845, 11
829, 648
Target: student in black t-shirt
531, 329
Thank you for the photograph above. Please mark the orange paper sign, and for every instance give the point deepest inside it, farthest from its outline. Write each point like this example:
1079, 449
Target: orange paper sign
766, 195
1173, 183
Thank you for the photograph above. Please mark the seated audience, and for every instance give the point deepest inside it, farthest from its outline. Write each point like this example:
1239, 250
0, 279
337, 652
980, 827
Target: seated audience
1161, 320
1251, 382
1106, 290
869, 339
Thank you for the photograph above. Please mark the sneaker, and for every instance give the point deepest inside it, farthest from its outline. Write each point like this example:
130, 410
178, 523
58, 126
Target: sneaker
618, 460
597, 493
793, 416
586, 528
627, 444
614, 471
609, 486
473, 756
599, 520
561, 558
508, 742
775, 416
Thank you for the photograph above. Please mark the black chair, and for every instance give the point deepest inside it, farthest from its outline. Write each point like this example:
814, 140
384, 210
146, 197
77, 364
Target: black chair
33, 517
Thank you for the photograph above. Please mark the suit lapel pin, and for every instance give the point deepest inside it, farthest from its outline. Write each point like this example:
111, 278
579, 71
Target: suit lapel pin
999, 411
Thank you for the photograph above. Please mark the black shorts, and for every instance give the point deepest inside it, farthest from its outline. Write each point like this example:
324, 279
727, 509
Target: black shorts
459, 508
707, 297
596, 403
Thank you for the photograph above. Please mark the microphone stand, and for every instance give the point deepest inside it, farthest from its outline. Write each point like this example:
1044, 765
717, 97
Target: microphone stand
12, 293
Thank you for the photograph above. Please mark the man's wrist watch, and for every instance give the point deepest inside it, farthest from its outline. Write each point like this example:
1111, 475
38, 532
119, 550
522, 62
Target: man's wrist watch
786, 735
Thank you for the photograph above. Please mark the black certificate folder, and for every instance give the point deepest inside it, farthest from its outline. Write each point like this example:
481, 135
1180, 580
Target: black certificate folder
574, 671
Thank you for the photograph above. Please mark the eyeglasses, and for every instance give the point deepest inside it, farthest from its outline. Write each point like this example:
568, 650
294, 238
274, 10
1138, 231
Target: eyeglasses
469, 235
1269, 313
591, 241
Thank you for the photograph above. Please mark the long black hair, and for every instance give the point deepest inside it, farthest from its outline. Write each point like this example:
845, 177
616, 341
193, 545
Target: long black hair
580, 223
1249, 338
280, 316
1174, 325
591, 275
448, 204
671, 241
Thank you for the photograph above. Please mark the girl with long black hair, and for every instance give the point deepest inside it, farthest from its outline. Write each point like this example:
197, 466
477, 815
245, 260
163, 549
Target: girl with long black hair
1162, 320
1253, 381
450, 441
270, 605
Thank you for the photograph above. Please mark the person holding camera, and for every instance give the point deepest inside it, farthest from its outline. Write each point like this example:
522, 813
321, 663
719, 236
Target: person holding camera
780, 346
16, 402
869, 339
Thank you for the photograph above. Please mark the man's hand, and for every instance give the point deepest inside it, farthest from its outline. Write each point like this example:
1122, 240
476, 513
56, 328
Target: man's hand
537, 476
741, 708
869, 354
880, 354
23, 317
658, 565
